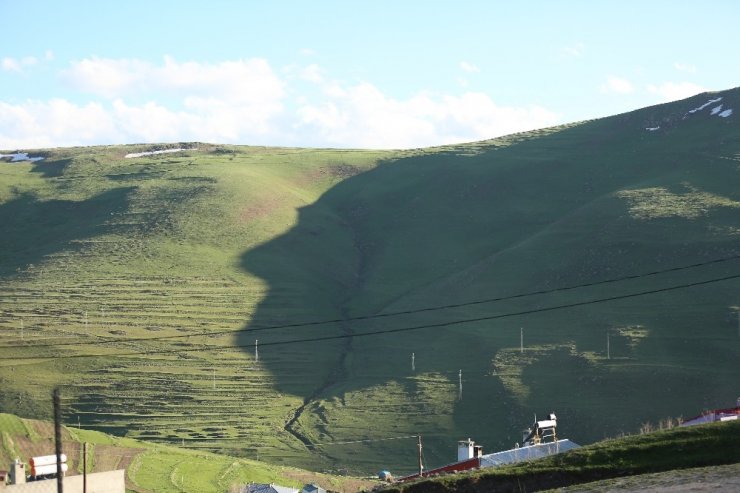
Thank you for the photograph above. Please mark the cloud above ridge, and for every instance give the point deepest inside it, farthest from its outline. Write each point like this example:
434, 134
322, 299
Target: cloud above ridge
246, 101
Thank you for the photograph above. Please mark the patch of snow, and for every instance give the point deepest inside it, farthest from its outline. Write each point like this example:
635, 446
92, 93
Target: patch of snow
652, 129
716, 109
152, 153
711, 101
726, 113
20, 156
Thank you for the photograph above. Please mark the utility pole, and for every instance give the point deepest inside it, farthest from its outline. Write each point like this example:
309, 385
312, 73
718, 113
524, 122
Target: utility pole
459, 375
521, 340
608, 352
84, 467
421, 465
256, 351
56, 400
413, 363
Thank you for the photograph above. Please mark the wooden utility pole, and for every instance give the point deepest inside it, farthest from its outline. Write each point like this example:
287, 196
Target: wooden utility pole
421, 465
413, 362
84, 467
56, 400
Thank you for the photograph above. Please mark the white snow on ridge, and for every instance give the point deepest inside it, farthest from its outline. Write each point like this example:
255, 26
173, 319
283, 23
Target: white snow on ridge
152, 153
716, 109
20, 156
711, 101
652, 129
726, 113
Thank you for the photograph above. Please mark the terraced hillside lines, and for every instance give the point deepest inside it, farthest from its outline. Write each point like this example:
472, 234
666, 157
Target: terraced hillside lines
150, 467
237, 238
129, 305
162, 264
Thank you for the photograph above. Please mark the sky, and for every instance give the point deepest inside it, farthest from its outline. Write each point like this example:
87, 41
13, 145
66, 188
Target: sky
346, 74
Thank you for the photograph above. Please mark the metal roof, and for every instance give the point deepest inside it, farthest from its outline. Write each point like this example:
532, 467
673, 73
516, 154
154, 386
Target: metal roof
267, 488
529, 452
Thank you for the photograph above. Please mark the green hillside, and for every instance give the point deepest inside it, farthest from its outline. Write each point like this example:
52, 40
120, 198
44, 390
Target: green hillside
116, 257
152, 467
668, 450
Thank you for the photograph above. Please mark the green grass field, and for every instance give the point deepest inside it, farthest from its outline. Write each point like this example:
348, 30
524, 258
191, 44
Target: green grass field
113, 257
154, 467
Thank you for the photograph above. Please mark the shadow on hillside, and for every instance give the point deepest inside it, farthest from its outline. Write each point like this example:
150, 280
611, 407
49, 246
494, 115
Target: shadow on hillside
385, 239
450, 227
32, 229
51, 168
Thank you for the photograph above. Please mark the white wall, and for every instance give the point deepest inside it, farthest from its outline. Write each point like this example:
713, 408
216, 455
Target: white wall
99, 482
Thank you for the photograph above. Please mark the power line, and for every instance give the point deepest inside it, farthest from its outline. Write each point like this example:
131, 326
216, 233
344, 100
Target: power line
388, 331
362, 441
379, 315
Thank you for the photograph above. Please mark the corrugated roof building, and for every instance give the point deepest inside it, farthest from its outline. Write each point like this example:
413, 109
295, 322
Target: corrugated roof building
267, 488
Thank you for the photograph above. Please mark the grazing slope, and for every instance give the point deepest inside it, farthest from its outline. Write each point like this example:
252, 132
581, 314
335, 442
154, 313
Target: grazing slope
152, 467
100, 254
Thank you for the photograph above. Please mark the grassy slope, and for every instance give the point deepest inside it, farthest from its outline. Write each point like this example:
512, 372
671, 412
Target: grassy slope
226, 237
150, 467
682, 448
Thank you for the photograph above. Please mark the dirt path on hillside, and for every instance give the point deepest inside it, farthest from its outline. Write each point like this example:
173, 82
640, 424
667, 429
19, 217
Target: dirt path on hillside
337, 373
698, 480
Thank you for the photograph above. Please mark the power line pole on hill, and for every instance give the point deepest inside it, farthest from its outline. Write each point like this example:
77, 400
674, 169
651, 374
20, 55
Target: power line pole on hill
413, 362
56, 400
421, 465
521, 340
459, 376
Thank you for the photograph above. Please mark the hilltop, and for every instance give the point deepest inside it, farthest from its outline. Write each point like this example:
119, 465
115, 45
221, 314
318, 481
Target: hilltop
140, 284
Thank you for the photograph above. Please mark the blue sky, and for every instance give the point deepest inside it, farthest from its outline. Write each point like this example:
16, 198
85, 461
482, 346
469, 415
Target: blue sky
381, 74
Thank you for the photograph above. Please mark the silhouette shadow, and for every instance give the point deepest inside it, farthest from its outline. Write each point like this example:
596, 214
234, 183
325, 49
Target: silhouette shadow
32, 229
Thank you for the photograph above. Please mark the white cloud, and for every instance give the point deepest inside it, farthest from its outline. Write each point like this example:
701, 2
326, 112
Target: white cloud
469, 67
672, 91
10, 64
49, 55
573, 51
617, 85
362, 116
245, 102
312, 73
685, 67
239, 81
57, 122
